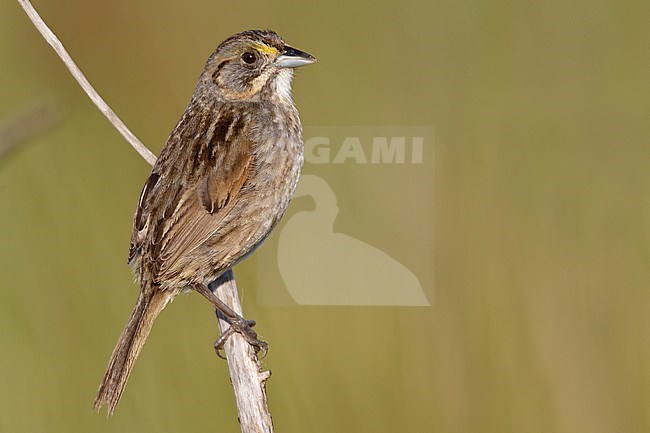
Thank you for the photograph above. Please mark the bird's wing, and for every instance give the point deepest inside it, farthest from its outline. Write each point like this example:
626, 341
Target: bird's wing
176, 217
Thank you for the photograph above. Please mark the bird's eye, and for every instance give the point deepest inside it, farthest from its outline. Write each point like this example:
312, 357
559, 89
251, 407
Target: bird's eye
249, 57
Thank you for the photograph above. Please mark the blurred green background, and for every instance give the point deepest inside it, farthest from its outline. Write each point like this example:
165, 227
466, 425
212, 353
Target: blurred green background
540, 319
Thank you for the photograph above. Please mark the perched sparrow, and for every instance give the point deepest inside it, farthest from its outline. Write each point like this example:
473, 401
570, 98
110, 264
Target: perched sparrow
221, 183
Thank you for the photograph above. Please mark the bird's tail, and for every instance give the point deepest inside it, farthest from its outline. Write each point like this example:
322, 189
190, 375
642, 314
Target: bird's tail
129, 345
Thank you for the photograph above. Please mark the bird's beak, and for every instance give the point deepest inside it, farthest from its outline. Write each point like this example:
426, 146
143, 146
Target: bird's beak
293, 58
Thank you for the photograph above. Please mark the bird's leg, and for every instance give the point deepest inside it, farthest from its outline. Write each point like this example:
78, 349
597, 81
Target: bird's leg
237, 323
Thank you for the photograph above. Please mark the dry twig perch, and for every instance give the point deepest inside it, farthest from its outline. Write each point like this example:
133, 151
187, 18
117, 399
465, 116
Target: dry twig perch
247, 377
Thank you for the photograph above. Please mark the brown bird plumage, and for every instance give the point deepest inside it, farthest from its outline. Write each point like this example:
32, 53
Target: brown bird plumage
220, 185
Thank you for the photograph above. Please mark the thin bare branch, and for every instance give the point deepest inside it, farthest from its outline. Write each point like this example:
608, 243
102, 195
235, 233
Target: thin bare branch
246, 375
83, 82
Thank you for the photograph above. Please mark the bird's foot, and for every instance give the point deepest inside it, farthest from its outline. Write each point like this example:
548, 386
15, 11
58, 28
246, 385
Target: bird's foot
245, 329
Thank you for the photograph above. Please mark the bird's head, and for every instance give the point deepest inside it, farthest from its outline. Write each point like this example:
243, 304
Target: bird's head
254, 64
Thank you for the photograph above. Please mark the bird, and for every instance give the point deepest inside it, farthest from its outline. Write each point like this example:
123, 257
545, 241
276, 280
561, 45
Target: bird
221, 183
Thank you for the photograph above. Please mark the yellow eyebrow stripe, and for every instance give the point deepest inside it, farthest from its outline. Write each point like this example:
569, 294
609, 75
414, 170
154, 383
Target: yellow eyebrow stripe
263, 48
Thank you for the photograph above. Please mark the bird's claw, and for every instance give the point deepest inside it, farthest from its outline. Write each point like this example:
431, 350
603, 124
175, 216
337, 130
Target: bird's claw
245, 329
